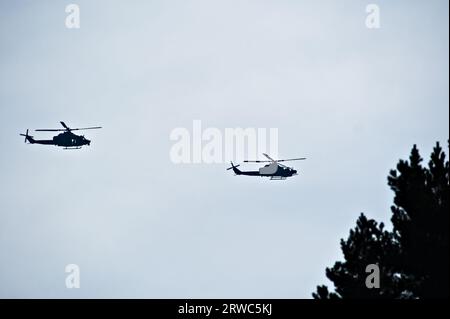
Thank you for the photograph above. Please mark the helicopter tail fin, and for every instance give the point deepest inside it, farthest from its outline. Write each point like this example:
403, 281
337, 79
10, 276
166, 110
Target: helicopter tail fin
28, 138
235, 169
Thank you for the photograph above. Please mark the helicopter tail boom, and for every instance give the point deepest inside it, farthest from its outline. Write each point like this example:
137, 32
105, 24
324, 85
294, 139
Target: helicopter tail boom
31, 140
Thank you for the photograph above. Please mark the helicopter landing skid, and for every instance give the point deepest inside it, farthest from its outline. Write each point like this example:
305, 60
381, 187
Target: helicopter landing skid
277, 178
72, 148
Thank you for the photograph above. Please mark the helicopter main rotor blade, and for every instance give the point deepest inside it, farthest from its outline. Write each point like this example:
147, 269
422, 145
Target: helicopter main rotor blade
292, 159
79, 129
246, 161
66, 129
85, 128
64, 125
269, 157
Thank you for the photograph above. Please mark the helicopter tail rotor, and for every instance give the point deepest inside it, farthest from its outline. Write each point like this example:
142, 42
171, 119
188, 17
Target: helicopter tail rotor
235, 169
233, 166
28, 138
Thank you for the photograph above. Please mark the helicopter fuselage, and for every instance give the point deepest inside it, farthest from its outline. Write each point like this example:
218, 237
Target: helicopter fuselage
66, 139
274, 171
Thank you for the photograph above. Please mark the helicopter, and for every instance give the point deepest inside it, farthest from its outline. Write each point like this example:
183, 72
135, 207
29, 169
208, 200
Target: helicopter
274, 170
67, 139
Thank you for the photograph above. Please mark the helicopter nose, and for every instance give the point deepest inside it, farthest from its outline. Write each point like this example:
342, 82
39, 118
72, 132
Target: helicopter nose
88, 142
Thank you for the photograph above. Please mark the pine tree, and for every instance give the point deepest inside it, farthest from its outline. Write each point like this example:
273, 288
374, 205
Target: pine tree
367, 244
413, 258
421, 224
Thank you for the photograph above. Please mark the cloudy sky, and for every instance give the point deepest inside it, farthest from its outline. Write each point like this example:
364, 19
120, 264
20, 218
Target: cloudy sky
352, 100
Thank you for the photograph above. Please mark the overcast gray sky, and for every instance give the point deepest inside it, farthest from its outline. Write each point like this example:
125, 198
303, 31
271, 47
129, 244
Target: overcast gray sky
353, 100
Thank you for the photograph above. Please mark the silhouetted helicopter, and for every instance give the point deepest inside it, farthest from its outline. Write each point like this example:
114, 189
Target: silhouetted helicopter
68, 140
274, 170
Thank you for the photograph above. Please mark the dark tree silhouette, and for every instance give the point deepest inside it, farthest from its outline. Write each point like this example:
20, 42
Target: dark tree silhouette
367, 244
413, 258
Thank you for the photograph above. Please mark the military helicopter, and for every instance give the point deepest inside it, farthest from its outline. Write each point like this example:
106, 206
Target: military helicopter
68, 140
274, 170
